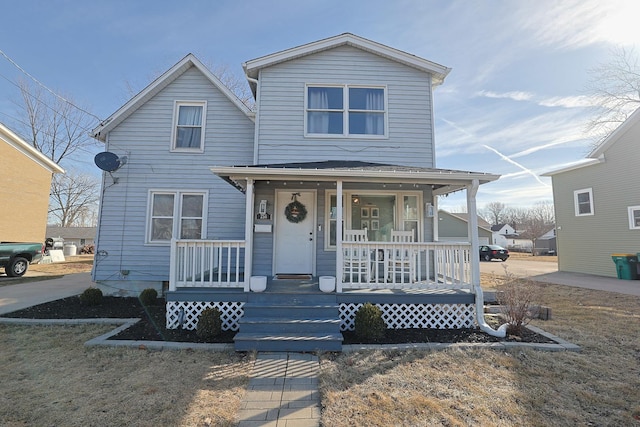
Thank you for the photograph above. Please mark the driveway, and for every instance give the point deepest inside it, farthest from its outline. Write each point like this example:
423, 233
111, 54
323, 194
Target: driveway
23, 295
548, 272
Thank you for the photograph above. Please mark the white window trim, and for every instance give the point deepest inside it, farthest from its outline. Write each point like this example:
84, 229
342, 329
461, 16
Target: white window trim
345, 112
346, 205
174, 126
630, 211
177, 213
576, 205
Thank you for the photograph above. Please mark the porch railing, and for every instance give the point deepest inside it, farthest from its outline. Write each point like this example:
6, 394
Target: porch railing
386, 265
207, 263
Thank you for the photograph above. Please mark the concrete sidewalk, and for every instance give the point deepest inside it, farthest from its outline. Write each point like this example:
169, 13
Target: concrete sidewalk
282, 392
588, 281
23, 295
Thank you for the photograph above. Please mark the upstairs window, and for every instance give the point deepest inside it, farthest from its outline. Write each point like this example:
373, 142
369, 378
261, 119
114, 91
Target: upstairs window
345, 111
583, 202
188, 130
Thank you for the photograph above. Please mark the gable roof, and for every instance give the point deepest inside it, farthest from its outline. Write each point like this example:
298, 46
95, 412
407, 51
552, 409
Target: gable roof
189, 61
597, 155
443, 181
71, 232
463, 216
252, 67
13, 140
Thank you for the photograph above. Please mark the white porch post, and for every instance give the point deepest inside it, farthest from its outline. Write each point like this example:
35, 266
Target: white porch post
472, 190
339, 236
248, 235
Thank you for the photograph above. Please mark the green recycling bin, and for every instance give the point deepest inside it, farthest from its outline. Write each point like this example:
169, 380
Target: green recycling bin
626, 266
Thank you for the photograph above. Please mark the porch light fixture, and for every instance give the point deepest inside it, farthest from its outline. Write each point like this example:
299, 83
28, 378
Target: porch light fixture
355, 199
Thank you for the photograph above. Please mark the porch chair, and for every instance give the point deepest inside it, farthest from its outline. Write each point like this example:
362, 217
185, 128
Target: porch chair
402, 259
356, 262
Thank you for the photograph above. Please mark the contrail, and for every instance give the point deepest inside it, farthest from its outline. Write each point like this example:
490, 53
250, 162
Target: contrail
513, 162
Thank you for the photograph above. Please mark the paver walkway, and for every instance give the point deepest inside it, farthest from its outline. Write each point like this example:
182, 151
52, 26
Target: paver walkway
282, 392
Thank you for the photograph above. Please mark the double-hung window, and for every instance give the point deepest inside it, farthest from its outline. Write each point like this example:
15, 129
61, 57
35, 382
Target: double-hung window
345, 111
634, 217
188, 129
176, 213
583, 202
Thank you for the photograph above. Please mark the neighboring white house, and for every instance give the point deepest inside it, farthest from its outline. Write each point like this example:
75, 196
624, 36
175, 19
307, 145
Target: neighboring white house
501, 233
597, 204
330, 184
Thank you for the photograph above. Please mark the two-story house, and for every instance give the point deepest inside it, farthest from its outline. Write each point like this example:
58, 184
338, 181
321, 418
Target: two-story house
331, 184
597, 204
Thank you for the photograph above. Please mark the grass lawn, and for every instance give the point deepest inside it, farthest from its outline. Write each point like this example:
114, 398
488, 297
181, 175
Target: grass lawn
50, 378
598, 386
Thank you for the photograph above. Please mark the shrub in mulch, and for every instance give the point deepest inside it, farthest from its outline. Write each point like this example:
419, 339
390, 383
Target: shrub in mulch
152, 326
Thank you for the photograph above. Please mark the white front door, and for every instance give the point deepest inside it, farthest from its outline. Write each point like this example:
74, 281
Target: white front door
294, 236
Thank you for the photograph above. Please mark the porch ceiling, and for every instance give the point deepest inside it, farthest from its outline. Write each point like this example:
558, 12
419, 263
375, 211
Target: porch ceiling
443, 181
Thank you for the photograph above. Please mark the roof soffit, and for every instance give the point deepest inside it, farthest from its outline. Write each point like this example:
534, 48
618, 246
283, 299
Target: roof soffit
15, 141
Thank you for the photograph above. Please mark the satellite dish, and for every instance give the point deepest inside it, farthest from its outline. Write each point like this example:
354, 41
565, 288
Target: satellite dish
108, 161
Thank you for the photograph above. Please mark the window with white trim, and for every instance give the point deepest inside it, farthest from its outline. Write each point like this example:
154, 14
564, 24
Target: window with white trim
634, 217
188, 128
176, 213
345, 111
583, 202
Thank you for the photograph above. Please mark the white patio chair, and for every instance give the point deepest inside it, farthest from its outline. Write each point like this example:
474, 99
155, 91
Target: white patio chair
402, 258
356, 260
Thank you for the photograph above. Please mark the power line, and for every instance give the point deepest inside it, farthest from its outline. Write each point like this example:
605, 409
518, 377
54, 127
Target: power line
46, 88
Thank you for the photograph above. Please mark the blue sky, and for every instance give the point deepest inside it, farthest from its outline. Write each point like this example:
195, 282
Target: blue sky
514, 104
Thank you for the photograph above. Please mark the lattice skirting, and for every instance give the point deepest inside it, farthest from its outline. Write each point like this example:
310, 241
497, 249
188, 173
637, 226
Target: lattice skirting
396, 316
405, 316
186, 313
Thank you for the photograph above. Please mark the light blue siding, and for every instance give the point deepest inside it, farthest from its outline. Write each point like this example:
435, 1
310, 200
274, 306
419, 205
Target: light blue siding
145, 137
281, 110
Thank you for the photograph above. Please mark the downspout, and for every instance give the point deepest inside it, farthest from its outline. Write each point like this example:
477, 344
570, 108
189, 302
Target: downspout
472, 191
256, 123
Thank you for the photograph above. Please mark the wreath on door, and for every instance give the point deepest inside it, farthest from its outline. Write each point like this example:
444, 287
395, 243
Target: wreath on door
295, 211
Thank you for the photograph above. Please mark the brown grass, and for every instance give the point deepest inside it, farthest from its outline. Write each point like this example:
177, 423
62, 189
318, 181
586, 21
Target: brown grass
75, 264
598, 386
529, 257
49, 378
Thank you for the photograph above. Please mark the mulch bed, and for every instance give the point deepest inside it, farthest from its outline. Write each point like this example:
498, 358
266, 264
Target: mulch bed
151, 327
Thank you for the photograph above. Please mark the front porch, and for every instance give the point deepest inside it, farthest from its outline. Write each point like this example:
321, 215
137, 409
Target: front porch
294, 315
370, 228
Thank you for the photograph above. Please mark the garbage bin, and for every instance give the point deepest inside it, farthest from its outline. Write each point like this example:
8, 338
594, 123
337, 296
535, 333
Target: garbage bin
626, 266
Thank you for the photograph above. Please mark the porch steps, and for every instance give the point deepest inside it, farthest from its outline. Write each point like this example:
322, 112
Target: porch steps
289, 322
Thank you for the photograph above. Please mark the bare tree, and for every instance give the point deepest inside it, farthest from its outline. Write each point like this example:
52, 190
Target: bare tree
615, 86
74, 200
536, 221
238, 85
494, 212
55, 126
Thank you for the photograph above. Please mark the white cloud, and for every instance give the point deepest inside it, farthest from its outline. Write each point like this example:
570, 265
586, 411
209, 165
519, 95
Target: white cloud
516, 96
